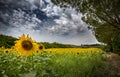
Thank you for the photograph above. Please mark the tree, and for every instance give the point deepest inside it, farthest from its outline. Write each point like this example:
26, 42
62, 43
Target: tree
95, 11
103, 15
7, 41
106, 34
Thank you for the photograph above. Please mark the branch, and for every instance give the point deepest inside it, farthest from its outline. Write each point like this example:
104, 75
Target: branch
112, 24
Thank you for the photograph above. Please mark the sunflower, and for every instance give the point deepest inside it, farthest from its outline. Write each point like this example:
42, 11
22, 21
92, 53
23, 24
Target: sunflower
40, 48
25, 46
7, 51
2, 48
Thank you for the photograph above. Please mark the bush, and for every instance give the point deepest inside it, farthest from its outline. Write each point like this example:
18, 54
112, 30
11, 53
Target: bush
116, 43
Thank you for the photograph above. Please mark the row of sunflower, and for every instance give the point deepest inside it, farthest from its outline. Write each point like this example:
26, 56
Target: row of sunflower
25, 46
73, 50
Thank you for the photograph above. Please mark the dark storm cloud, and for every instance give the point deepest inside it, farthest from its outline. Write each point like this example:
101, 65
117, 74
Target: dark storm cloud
9, 8
43, 21
29, 7
14, 4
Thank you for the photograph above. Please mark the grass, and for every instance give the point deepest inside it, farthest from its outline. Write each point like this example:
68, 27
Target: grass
74, 65
54, 64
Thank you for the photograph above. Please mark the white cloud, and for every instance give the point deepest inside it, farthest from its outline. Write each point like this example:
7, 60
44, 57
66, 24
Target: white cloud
61, 21
67, 28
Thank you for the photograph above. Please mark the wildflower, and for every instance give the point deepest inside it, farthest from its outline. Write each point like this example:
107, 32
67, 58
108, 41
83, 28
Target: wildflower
40, 48
6, 51
25, 46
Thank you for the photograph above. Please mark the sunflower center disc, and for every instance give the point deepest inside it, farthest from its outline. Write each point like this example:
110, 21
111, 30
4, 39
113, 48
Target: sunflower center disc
6, 51
40, 47
27, 45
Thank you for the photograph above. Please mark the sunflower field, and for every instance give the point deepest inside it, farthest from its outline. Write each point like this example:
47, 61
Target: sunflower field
30, 59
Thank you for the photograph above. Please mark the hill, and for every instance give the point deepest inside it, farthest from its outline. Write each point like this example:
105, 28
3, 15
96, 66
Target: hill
57, 45
7, 41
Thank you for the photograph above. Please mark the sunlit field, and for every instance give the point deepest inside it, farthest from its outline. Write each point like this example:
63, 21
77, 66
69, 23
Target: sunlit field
73, 50
54, 62
30, 59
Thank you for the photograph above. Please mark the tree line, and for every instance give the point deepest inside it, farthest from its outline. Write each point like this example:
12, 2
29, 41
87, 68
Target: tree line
9, 41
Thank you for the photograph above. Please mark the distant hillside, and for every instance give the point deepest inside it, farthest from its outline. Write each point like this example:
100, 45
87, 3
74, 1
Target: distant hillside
7, 41
57, 45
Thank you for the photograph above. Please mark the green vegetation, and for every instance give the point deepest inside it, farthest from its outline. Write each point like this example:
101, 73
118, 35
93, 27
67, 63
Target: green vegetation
57, 45
78, 65
52, 65
7, 41
110, 37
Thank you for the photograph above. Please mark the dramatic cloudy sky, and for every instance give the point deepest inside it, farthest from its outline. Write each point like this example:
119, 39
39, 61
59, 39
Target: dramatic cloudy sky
44, 22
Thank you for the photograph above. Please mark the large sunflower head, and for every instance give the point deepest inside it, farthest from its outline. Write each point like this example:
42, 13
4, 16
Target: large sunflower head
25, 46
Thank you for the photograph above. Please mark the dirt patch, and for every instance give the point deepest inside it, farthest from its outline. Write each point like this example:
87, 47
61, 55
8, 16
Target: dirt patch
113, 67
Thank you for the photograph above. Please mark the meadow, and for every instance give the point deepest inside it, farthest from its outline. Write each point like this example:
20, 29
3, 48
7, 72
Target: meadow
53, 62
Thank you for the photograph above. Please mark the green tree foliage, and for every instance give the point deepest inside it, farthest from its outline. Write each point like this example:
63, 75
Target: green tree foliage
7, 41
116, 42
110, 36
104, 15
57, 45
95, 11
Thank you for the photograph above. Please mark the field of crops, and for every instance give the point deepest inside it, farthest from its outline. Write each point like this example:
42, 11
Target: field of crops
30, 59
54, 62
73, 50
